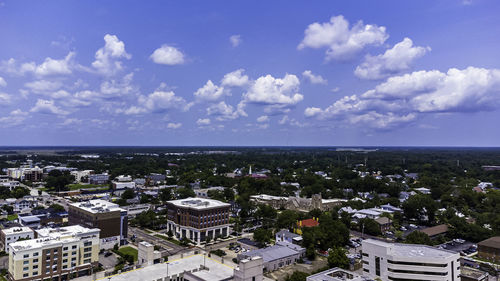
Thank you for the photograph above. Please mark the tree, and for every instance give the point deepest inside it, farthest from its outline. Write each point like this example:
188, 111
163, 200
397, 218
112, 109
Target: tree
419, 207
128, 194
371, 227
57, 208
166, 194
418, 237
297, 276
287, 219
59, 180
337, 258
262, 235
311, 252
185, 192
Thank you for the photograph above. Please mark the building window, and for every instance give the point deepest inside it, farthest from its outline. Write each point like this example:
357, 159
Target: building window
86, 261
35, 266
35, 273
73, 253
65, 254
87, 249
26, 275
35, 260
35, 254
25, 268
65, 248
377, 266
88, 243
26, 256
73, 259
88, 255
73, 247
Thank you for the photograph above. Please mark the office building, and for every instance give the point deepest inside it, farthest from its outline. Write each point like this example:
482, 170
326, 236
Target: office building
55, 255
277, 256
394, 261
98, 178
108, 217
198, 219
11, 235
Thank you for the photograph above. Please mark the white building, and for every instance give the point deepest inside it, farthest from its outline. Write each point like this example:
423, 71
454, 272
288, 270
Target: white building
336, 274
393, 261
81, 174
56, 253
249, 270
147, 255
10, 235
119, 185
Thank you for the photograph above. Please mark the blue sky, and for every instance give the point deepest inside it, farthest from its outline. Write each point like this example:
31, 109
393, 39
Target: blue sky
250, 72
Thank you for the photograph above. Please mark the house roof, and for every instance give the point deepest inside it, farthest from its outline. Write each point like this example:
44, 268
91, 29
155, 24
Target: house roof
493, 242
308, 223
435, 230
383, 220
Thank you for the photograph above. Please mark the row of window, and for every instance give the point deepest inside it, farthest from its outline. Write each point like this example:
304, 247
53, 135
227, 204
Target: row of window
418, 263
418, 272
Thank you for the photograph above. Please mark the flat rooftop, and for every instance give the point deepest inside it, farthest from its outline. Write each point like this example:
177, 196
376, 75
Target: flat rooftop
97, 206
216, 271
17, 230
72, 230
40, 243
336, 274
411, 250
198, 203
272, 253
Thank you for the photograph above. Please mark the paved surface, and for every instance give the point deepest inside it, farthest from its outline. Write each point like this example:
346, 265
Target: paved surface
170, 247
108, 262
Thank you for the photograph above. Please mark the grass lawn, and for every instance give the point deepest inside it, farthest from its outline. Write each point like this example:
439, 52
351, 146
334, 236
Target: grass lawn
12, 217
76, 186
168, 239
130, 251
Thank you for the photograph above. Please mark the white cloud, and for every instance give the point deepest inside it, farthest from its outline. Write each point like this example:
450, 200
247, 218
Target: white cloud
54, 67
209, 92
2, 82
167, 55
235, 79
342, 41
393, 61
222, 111
71, 121
235, 40
4, 98
47, 107
402, 99
203, 122
15, 118
43, 86
107, 59
263, 118
114, 88
314, 79
174, 125
268, 90
48, 67
158, 102
336, 89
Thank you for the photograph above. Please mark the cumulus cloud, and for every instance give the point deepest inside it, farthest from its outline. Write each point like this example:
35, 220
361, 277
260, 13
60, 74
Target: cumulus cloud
174, 125
341, 40
235, 40
158, 102
395, 60
222, 111
314, 79
263, 119
48, 67
15, 118
401, 99
47, 107
108, 58
2, 82
203, 122
4, 98
42, 86
115, 88
268, 90
167, 55
235, 79
209, 92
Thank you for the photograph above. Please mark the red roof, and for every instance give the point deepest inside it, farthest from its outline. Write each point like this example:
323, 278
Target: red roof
308, 223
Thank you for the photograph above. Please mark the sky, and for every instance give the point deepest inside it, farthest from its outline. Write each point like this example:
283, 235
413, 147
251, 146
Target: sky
250, 73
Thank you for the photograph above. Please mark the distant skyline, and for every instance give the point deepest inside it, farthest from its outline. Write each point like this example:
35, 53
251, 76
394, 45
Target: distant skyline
250, 73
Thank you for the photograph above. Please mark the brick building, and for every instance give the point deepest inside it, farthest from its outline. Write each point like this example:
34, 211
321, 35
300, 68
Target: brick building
196, 219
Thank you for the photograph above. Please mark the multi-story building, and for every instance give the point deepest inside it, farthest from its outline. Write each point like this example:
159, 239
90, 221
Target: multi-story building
98, 178
298, 203
336, 274
394, 261
33, 174
55, 255
11, 235
196, 219
108, 217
